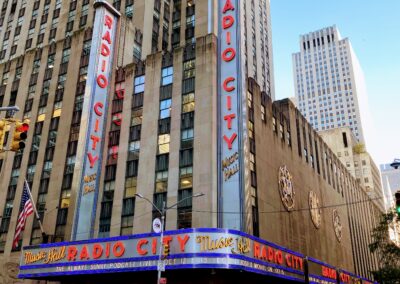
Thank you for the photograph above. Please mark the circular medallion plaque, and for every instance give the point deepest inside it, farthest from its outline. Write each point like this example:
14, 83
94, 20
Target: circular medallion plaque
337, 225
286, 188
315, 210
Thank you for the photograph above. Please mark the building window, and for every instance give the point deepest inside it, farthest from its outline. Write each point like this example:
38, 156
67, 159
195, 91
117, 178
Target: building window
134, 146
187, 136
163, 143
61, 81
186, 178
130, 186
186, 158
263, 118
165, 108
185, 209
281, 132
139, 84
190, 21
50, 61
189, 69
65, 55
274, 128
128, 210
167, 74
105, 219
306, 154
188, 102
129, 10
161, 182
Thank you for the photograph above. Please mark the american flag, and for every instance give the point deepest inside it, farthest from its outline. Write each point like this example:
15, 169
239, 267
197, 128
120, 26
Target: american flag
25, 209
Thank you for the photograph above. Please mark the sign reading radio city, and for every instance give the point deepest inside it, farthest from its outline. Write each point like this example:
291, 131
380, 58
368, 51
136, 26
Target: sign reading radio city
94, 115
349, 278
320, 272
230, 115
191, 248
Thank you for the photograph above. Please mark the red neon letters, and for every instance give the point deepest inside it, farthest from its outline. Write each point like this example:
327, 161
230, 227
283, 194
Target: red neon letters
272, 255
144, 247
228, 85
102, 82
329, 272
344, 278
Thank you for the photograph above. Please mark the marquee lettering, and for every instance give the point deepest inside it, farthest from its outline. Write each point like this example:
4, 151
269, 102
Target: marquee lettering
229, 140
329, 272
227, 22
207, 244
226, 82
34, 257
277, 256
228, 54
344, 278
140, 245
228, 6
182, 242
97, 251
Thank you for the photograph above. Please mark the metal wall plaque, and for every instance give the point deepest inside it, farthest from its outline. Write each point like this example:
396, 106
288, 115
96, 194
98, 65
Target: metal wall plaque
286, 188
315, 209
337, 225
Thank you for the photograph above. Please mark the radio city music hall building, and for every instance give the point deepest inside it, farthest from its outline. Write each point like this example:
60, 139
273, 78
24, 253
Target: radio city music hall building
168, 99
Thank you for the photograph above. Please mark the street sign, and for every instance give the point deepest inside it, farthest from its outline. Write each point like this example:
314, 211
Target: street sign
157, 225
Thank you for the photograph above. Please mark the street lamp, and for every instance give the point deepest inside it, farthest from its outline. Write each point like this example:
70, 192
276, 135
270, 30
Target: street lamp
162, 213
395, 164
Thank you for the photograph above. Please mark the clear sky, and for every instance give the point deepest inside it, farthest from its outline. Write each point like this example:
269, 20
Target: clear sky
373, 28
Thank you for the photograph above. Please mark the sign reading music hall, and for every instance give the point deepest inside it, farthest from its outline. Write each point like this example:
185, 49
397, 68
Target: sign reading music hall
94, 114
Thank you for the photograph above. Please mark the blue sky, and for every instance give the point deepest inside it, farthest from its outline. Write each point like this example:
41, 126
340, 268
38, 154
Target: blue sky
373, 28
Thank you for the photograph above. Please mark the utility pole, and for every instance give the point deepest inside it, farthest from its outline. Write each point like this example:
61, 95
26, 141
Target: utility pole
163, 211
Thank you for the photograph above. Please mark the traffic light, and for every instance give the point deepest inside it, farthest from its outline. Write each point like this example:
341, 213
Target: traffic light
2, 132
397, 200
20, 134
166, 250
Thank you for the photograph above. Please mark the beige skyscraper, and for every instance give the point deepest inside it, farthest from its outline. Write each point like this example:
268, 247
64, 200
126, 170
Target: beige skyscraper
329, 83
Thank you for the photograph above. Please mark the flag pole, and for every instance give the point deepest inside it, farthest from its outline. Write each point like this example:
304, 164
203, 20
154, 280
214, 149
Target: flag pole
34, 209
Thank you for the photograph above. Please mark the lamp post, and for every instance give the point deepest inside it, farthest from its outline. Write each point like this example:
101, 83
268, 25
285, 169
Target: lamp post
162, 212
395, 164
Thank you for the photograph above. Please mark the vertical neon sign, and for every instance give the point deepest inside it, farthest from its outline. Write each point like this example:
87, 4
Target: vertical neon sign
94, 115
229, 98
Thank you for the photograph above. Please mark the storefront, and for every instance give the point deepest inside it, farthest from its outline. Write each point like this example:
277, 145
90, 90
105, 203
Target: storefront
201, 255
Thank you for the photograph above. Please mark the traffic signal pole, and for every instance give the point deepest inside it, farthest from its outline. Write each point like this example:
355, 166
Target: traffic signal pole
20, 130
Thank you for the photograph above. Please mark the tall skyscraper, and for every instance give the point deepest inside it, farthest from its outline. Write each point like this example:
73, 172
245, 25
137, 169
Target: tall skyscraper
329, 82
139, 104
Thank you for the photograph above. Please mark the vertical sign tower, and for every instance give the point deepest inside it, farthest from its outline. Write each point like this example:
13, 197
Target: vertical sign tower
94, 115
230, 154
